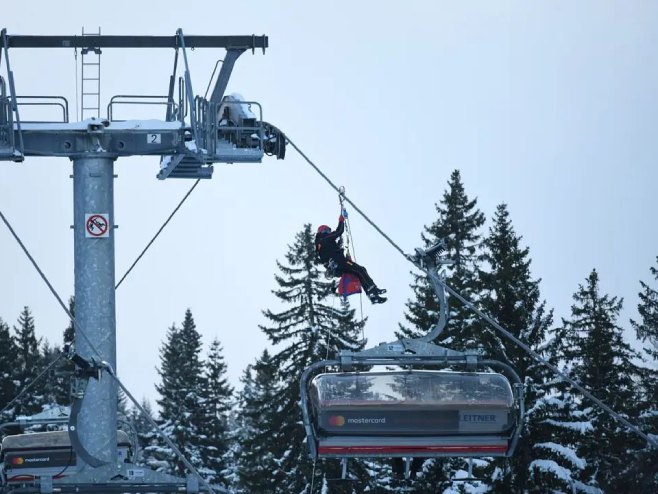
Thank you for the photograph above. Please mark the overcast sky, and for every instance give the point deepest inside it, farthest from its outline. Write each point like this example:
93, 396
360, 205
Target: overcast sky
549, 106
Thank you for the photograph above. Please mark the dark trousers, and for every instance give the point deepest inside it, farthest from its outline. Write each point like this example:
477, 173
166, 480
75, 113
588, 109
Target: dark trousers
347, 266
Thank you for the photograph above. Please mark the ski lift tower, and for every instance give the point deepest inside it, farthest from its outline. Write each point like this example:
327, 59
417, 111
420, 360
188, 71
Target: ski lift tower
195, 133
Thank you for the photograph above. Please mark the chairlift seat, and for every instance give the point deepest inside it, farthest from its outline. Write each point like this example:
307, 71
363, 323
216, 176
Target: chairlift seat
407, 413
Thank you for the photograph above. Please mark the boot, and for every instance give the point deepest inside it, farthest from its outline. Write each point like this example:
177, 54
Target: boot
377, 299
374, 294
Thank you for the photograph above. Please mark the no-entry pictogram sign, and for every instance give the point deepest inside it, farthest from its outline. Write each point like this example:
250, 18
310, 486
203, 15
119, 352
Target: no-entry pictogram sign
97, 225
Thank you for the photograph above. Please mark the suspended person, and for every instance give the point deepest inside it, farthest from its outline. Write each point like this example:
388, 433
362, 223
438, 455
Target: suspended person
328, 247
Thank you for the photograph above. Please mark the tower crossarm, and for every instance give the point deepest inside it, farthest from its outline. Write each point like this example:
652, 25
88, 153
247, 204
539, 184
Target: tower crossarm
111, 41
105, 139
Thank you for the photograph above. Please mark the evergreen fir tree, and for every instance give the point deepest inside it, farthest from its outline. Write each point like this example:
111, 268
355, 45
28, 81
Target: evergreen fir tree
642, 476
8, 388
647, 332
258, 438
511, 297
231, 470
146, 435
69, 331
53, 383
309, 329
181, 394
28, 364
122, 405
561, 427
217, 402
590, 445
62, 375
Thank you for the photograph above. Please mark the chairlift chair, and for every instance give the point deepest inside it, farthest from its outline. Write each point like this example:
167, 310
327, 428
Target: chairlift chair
445, 403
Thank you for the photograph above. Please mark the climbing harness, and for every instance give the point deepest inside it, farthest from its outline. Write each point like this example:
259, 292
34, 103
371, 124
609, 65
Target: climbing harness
331, 269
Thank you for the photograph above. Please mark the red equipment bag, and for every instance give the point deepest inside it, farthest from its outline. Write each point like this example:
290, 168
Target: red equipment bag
348, 285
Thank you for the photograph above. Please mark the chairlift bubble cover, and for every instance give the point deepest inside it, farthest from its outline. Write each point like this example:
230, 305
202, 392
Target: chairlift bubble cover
29, 456
418, 403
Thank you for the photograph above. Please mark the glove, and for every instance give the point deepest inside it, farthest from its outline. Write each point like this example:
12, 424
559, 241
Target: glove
343, 212
341, 218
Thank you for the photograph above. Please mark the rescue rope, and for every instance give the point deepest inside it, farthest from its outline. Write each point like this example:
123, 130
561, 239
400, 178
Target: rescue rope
315, 460
348, 229
350, 241
492, 322
333, 310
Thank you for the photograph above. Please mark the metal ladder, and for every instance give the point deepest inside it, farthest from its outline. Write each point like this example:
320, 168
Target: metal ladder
90, 98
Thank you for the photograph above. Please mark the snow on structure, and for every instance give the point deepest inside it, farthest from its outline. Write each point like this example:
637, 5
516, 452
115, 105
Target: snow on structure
564, 474
581, 427
551, 466
110, 125
460, 486
567, 453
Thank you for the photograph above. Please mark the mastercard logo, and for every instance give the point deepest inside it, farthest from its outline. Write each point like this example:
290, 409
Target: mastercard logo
337, 420
17, 461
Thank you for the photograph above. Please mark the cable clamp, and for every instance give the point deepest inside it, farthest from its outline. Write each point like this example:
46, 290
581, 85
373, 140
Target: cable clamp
86, 368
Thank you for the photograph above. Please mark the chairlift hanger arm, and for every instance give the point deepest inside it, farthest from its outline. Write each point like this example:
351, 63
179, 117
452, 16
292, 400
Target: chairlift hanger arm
428, 261
109, 41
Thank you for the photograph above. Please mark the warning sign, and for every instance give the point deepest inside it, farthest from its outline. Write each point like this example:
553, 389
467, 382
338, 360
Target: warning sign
97, 225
